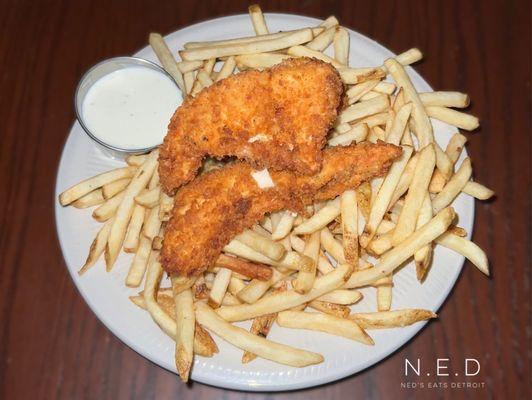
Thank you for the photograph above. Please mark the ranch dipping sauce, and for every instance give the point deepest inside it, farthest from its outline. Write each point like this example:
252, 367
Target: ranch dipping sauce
130, 108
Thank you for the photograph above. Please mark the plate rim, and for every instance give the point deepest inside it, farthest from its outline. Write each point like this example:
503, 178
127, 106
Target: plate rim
212, 381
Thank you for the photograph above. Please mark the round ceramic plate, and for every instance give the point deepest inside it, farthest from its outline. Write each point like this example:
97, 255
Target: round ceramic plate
107, 295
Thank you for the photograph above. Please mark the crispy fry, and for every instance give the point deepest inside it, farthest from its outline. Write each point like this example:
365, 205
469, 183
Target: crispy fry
307, 274
445, 99
185, 329
227, 69
282, 42
477, 190
324, 323
250, 270
356, 134
111, 189
323, 40
259, 243
453, 187
108, 209
421, 123
97, 247
342, 296
90, 199
219, 287
467, 248
423, 256
131, 242
341, 46
320, 219
257, 18
289, 299
416, 193
337, 310
349, 212
261, 327
404, 250
391, 319
166, 58
90, 184
364, 109
255, 344
452, 117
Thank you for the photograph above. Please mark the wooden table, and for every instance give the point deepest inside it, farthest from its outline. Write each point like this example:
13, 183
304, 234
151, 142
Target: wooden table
52, 346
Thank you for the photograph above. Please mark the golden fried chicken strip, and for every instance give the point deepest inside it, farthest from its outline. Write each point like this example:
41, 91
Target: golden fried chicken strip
277, 118
216, 206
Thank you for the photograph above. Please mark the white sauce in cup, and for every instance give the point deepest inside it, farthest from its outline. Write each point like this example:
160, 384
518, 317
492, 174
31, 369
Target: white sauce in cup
130, 108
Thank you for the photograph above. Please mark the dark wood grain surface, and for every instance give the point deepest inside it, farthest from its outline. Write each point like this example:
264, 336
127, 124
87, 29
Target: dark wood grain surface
52, 346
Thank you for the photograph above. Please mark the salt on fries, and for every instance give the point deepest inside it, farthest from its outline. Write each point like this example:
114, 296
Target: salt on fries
273, 271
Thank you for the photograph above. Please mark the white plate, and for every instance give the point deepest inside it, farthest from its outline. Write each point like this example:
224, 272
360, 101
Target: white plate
107, 295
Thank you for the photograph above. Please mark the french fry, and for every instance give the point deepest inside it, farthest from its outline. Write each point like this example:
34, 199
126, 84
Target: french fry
219, 287
341, 296
341, 46
355, 92
452, 117
260, 60
249, 39
255, 344
136, 160
185, 329
324, 266
204, 78
467, 248
108, 209
88, 185
166, 204
306, 276
337, 310
259, 243
423, 256
384, 295
445, 99
239, 249
416, 193
97, 247
357, 134
149, 198
352, 76
189, 78
266, 45
453, 187
323, 40
329, 22
349, 212
166, 58
375, 120
152, 223
443, 163
391, 319
289, 299
283, 228
404, 250
131, 242
385, 87
257, 19
261, 327
399, 124
320, 219
235, 285
256, 288
124, 211
140, 262
90, 199
111, 189
250, 270
421, 123
332, 246
364, 109
302, 51
227, 69
324, 323
384, 196
477, 190
189, 66
204, 345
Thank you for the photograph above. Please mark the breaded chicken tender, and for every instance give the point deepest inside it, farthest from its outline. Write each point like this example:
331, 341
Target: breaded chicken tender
217, 206
276, 118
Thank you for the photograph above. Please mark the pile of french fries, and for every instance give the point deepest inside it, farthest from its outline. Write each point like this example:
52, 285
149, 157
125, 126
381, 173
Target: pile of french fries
288, 263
